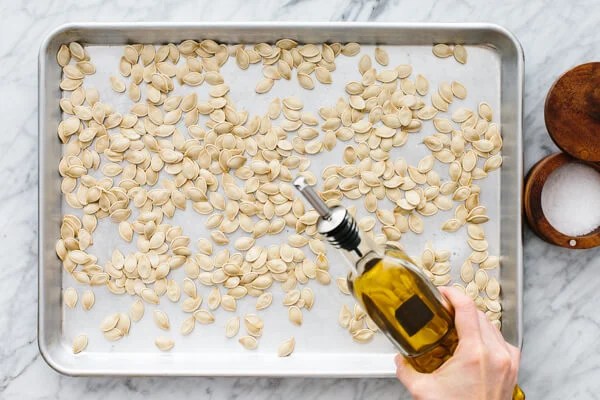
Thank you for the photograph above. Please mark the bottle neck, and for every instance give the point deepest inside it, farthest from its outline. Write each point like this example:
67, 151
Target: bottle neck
364, 251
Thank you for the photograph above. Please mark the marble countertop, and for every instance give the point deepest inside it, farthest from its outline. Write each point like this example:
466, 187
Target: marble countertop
561, 356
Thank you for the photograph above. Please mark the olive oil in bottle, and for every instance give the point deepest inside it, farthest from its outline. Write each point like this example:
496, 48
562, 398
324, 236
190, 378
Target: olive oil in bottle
392, 290
406, 308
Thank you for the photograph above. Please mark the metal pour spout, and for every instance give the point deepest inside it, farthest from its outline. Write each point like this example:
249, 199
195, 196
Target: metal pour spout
312, 197
336, 224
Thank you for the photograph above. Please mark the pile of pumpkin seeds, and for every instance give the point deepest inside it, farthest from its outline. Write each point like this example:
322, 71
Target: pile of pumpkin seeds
236, 168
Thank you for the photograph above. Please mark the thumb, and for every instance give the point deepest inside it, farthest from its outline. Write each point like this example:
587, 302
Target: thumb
405, 372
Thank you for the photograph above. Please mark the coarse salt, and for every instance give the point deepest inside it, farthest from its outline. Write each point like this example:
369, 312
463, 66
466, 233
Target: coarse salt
571, 199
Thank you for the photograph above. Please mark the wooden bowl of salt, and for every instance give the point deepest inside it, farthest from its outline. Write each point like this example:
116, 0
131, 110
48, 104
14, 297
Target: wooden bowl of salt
562, 191
562, 201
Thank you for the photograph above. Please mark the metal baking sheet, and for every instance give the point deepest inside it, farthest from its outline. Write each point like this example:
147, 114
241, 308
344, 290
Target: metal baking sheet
494, 73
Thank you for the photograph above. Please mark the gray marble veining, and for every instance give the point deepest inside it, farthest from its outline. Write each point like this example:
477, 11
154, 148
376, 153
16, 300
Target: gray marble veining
561, 357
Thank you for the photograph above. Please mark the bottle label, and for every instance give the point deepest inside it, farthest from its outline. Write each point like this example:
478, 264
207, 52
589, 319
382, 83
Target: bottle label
413, 315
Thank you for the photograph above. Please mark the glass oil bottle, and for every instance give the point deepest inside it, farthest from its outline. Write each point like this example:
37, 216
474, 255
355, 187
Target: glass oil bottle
392, 290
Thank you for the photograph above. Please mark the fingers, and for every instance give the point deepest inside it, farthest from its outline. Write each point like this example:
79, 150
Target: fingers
465, 315
498, 333
515, 356
490, 335
405, 372
513, 352
501, 354
493, 340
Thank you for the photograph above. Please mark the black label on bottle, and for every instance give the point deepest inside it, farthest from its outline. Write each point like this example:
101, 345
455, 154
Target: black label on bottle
413, 315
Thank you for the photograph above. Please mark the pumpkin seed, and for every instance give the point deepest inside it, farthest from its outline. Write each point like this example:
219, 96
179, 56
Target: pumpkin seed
286, 348
173, 291
492, 163
345, 316
87, 300
228, 303
249, 342
381, 56
467, 273
63, 56
188, 325
264, 85
109, 322
308, 296
232, 327
481, 279
244, 243
492, 288
136, 312
70, 297
117, 84
458, 90
164, 343
442, 50
478, 245
79, 343
322, 75
490, 262
451, 225
350, 49
291, 297
305, 81
461, 115
264, 301
342, 284
460, 54
363, 335
191, 304
421, 85
364, 64
204, 316
295, 315
492, 305
161, 320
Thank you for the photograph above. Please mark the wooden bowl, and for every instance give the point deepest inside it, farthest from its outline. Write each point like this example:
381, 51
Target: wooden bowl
532, 203
572, 112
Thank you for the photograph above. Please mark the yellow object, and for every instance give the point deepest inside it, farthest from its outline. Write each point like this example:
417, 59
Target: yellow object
518, 393
408, 309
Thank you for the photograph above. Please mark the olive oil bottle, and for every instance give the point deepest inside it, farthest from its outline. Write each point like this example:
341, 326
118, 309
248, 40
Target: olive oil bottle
406, 308
403, 303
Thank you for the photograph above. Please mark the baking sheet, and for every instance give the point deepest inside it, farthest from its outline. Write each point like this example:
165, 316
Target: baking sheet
322, 347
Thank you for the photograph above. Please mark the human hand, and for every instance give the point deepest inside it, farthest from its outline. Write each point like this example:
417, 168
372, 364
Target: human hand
483, 367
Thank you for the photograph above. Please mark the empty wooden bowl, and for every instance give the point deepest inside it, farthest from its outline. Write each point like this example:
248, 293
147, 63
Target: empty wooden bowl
532, 203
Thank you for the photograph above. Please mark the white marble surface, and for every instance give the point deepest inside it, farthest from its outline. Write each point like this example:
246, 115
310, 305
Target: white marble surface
561, 358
